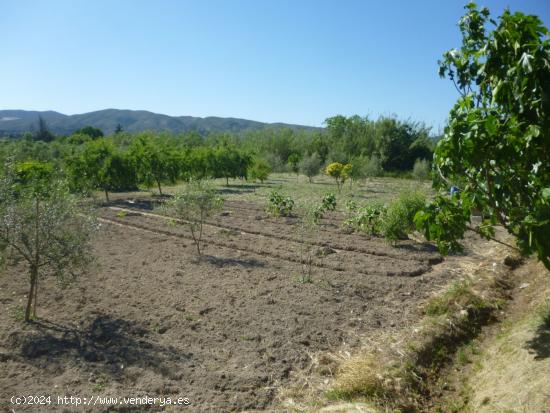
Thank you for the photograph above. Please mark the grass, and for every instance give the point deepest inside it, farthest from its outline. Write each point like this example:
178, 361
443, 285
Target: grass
460, 296
400, 379
373, 189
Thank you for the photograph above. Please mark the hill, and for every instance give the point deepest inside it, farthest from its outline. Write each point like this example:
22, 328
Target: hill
20, 121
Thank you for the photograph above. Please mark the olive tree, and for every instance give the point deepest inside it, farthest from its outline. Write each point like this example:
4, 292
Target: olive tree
41, 227
192, 206
496, 146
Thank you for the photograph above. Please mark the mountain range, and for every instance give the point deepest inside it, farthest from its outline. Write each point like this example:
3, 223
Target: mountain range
14, 122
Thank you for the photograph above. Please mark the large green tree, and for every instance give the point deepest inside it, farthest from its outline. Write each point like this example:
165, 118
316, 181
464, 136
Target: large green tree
496, 147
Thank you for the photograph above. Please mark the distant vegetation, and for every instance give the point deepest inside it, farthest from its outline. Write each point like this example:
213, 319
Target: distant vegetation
91, 161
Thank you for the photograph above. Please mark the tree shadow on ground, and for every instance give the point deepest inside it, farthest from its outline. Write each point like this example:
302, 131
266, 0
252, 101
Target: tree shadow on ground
104, 341
223, 262
145, 204
237, 189
539, 345
417, 247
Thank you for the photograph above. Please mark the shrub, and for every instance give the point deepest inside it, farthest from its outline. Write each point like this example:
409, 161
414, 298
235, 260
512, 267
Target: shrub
421, 169
280, 205
329, 202
373, 167
399, 218
310, 165
366, 219
259, 170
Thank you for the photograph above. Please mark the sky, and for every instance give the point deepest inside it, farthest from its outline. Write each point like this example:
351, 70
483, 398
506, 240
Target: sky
294, 61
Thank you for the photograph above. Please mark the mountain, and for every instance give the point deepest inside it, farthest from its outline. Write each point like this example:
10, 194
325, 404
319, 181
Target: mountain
20, 121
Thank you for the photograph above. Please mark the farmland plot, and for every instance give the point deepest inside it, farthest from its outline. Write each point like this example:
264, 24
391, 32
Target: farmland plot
225, 331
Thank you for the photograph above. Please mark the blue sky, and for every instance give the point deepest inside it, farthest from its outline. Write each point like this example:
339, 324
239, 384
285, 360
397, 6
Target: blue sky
295, 61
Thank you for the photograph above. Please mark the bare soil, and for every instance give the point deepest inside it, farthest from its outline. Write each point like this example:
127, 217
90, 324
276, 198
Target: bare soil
225, 331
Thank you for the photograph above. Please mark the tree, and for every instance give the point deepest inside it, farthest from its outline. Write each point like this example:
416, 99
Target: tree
43, 133
41, 226
259, 170
339, 172
197, 202
310, 165
118, 129
102, 167
496, 145
92, 132
153, 160
293, 161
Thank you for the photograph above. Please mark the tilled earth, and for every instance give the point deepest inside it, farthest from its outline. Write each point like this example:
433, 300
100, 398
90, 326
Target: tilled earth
225, 331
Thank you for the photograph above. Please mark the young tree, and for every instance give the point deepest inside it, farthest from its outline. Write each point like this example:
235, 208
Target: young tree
259, 170
497, 142
310, 165
294, 160
197, 202
41, 226
339, 172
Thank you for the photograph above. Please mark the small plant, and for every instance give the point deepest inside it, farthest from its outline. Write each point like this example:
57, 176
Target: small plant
367, 219
329, 202
121, 214
279, 205
306, 229
351, 206
193, 206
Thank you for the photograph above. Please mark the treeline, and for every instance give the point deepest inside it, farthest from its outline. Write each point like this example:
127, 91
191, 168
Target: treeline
125, 161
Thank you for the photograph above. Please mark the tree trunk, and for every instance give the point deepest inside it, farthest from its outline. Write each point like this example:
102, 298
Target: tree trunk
160, 190
106, 195
34, 276
35, 297
226, 181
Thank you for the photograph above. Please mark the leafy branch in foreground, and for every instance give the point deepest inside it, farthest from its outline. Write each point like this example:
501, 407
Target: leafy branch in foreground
496, 146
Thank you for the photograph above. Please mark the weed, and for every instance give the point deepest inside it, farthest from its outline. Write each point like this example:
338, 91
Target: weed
19, 314
121, 214
398, 221
460, 296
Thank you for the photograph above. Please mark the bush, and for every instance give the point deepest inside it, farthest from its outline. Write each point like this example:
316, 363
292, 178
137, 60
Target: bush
310, 165
373, 167
421, 169
329, 202
399, 218
280, 205
366, 219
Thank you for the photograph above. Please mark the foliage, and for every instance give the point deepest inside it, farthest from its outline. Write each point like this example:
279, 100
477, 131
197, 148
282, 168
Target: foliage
153, 160
42, 227
421, 169
101, 166
399, 221
339, 172
310, 165
192, 206
373, 167
329, 202
90, 131
279, 205
259, 170
367, 219
497, 142
43, 133
294, 160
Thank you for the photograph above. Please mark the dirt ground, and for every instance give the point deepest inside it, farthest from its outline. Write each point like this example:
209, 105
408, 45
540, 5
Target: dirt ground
226, 331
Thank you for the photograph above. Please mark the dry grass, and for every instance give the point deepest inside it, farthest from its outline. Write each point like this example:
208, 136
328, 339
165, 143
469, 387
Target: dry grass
397, 374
